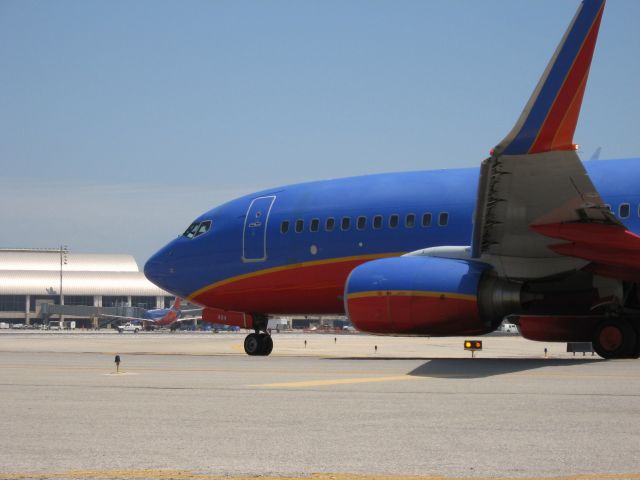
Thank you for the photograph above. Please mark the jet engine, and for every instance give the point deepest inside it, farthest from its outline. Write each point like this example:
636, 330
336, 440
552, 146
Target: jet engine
420, 295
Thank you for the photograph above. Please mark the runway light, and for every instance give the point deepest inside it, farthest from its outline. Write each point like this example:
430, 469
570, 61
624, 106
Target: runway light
473, 345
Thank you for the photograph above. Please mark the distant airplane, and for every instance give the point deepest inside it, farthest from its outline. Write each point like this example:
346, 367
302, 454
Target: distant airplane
162, 317
596, 154
440, 253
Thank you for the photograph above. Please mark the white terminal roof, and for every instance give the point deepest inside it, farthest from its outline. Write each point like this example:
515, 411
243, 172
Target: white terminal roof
37, 272
19, 259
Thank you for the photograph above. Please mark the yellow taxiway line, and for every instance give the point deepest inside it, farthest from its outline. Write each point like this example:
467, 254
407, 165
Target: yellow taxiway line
181, 474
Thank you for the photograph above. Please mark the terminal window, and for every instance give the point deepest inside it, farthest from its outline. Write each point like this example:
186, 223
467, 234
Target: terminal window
114, 300
13, 303
144, 302
78, 300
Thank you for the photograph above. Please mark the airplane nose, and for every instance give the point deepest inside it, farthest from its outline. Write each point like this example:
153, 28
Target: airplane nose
159, 269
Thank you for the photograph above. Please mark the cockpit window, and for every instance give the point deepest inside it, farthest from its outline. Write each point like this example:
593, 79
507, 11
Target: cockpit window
197, 228
191, 231
203, 228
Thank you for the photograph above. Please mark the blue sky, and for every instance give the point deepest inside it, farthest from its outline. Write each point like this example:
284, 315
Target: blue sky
121, 121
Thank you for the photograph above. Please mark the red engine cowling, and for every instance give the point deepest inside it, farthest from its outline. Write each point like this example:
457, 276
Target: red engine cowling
417, 295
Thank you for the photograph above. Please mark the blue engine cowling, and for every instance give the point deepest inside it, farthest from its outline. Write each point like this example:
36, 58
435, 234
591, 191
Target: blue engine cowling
419, 295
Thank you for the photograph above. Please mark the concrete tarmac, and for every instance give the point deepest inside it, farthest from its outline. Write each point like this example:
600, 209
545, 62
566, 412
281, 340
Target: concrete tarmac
194, 406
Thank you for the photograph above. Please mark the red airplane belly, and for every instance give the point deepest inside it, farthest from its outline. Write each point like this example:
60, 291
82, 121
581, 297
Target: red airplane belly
313, 289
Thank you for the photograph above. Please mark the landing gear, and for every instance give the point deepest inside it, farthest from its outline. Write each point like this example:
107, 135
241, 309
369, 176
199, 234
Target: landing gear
258, 344
616, 338
267, 344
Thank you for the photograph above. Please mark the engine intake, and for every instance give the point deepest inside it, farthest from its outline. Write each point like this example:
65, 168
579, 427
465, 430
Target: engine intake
417, 295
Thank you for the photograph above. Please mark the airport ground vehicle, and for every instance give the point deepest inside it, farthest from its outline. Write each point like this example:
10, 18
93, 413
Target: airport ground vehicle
129, 327
531, 235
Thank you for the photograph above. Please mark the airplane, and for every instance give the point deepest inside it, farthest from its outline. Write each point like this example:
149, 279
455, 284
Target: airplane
527, 236
161, 317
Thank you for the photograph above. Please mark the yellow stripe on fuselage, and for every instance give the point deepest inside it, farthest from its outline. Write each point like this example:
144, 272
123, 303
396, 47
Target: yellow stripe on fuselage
413, 293
315, 263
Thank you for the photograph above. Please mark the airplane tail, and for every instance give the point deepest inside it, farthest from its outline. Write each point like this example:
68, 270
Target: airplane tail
172, 315
177, 303
534, 175
549, 118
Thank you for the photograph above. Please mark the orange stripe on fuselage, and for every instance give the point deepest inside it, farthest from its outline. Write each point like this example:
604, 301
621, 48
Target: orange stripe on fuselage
306, 285
412, 293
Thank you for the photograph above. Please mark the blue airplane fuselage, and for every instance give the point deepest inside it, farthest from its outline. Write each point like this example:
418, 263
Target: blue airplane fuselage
276, 251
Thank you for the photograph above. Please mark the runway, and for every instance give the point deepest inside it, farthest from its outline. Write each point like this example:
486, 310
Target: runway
180, 412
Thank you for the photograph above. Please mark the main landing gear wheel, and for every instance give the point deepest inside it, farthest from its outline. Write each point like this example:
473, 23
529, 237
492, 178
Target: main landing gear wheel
615, 338
258, 344
267, 344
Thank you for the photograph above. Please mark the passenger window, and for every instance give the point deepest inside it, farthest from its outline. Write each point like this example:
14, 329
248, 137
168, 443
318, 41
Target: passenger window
345, 224
394, 220
624, 210
191, 231
203, 228
426, 220
299, 226
410, 220
330, 224
284, 226
361, 223
377, 222
315, 225
443, 219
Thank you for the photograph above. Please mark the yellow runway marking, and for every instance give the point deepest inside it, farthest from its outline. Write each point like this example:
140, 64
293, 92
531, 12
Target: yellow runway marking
181, 474
335, 381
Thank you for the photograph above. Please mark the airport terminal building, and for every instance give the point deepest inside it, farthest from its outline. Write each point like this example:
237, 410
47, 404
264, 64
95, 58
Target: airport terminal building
30, 278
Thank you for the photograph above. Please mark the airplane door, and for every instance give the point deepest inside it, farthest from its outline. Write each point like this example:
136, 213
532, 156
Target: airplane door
254, 238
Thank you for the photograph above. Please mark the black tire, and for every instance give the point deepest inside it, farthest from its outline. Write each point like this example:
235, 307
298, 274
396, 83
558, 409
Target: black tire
615, 338
253, 344
636, 326
267, 344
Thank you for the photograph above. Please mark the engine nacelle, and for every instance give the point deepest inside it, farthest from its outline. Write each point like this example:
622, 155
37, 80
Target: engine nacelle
416, 295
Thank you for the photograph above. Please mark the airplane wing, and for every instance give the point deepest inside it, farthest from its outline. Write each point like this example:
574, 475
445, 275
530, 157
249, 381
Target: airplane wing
534, 184
156, 321
137, 319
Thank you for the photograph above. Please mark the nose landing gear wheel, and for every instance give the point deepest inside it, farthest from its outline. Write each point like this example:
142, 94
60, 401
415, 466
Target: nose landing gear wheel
258, 344
615, 338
